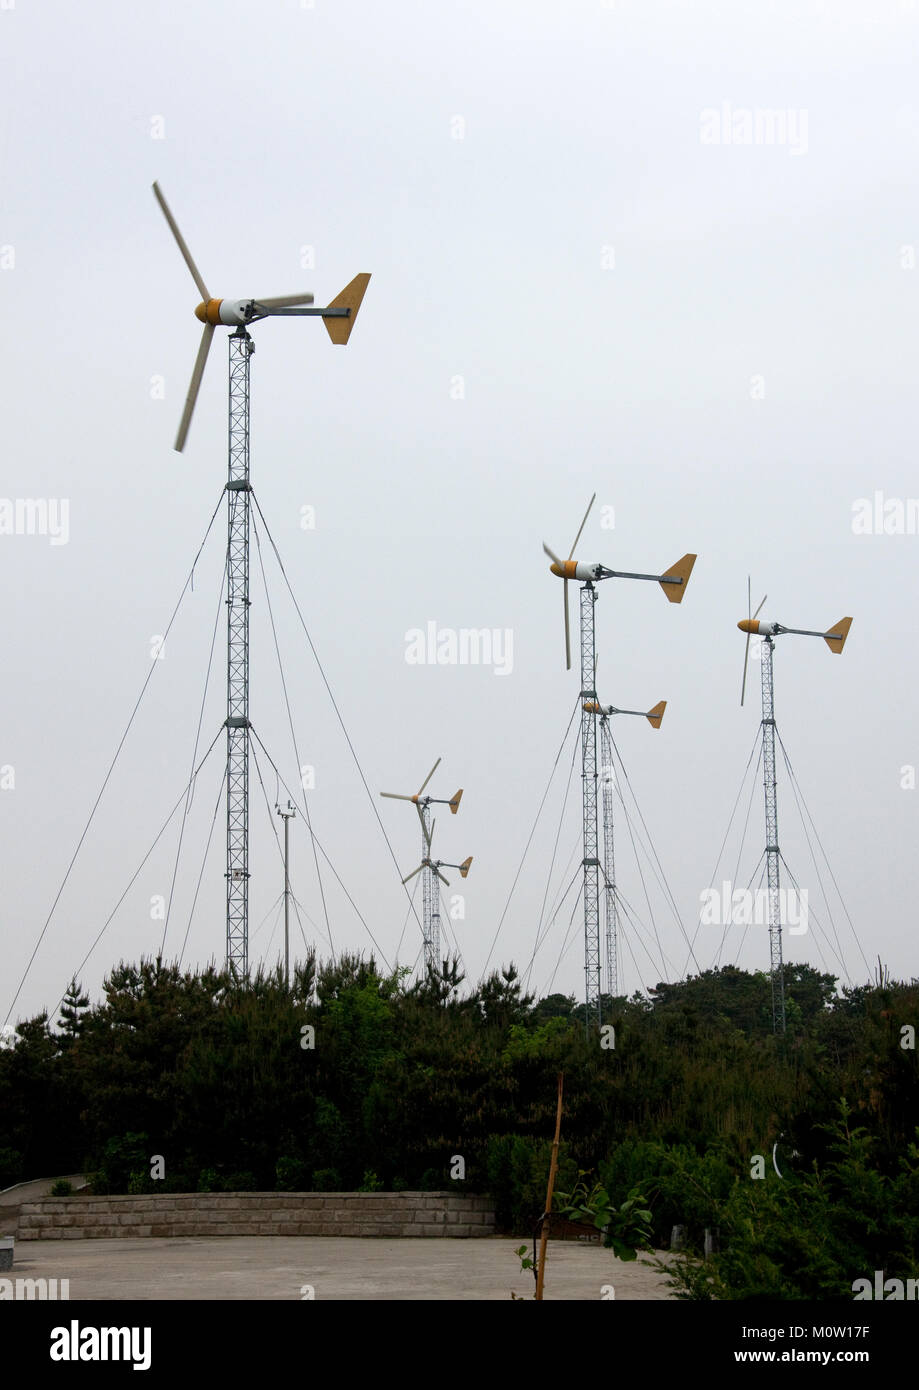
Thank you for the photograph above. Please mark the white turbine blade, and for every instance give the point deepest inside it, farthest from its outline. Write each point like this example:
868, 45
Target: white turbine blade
424, 829
567, 628
194, 384
397, 796
428, 777
281, 301
581, 527
413, 873
743, 690
757, 613
552, 555
180, 241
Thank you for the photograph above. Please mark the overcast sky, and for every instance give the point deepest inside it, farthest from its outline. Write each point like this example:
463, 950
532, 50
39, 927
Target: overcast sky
662, 252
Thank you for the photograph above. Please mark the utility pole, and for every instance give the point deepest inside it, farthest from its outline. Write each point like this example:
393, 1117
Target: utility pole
286, 816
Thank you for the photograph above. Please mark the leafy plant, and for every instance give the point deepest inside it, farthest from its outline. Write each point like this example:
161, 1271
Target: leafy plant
625, 1229
61, 1188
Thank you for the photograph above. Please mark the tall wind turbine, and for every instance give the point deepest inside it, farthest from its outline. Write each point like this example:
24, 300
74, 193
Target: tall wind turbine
238, 314
610, 902
835, 639
673, 582
429, 868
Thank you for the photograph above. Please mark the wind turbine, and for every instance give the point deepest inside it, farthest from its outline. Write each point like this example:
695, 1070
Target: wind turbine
835, 639
610, 903
673, 582
237, 314
430, 893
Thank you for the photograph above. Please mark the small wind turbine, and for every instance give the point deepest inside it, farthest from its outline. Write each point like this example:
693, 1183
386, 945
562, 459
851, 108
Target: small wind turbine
673, 582
430, 893
338, 316
237, 314
610, 903
835, 639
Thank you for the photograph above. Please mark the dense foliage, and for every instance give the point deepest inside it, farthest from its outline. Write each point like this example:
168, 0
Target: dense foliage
219, 1078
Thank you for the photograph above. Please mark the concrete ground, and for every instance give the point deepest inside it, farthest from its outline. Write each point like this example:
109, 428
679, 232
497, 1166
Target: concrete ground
278, 1267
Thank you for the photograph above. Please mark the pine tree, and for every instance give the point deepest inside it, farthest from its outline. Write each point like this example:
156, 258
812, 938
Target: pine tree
71, 1021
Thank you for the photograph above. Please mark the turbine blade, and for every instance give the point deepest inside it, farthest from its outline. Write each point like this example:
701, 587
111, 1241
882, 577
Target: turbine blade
424, 829
180, 241
397, 796
743, 688
441, 877
281, 301
551, 554
583, 524
194, 384
758, 611
413, 873
567, 629
428, 778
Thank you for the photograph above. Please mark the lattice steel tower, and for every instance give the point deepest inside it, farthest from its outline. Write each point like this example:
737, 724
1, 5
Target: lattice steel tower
339, 317
835, 639
673, 582
241, 349
607, 782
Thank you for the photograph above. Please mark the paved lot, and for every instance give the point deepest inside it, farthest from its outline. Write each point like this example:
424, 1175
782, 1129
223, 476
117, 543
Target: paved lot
276, 1267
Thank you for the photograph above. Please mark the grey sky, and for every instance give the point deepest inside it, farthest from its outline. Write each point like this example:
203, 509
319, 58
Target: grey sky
583, 293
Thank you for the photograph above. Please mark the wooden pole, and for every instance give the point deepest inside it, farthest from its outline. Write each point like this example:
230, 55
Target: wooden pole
553, 1169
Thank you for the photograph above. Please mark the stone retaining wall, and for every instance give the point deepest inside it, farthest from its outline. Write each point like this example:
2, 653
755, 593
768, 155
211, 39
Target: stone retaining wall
258, 1214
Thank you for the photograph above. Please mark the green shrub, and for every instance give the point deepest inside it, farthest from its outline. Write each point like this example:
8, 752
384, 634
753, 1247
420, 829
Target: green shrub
518, 1172
10, 1168
122, 1156
61, 1188
290, 1174
239, 1182
327, 1180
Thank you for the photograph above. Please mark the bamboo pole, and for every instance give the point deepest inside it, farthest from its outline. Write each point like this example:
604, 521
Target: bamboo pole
553, 1169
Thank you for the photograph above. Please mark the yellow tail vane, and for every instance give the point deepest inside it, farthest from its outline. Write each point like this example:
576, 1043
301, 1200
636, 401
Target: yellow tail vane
681, 570
655, 715
836, 644
339, 330
454, 804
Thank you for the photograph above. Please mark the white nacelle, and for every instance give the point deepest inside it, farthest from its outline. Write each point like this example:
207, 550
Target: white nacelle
582, 571
231, 311
766, 629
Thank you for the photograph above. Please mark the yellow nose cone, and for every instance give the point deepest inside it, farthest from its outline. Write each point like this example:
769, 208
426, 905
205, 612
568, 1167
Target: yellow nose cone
201, 312
749, 624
